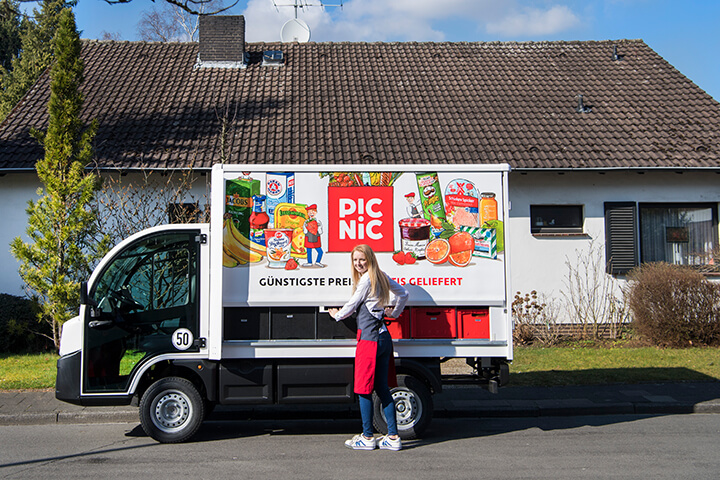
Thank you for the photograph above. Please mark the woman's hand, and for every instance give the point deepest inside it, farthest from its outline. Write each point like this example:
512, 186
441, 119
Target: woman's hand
333, 311
389, 312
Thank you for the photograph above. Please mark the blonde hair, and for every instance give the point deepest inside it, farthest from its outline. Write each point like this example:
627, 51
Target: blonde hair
379, 283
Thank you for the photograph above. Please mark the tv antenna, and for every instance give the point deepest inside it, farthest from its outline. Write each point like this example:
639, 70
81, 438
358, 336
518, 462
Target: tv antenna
296, 30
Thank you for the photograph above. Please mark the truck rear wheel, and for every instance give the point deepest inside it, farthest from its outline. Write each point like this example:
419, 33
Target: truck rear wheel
171, 410
413, 408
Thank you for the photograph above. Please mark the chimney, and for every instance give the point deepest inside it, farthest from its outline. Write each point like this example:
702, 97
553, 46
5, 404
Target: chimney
222, 41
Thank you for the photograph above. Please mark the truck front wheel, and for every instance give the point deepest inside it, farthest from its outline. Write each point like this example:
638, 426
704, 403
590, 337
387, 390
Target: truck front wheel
413, 408
171, 410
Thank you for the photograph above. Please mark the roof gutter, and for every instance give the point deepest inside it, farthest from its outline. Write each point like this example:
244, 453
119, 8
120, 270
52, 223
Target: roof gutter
617, 169
513, 169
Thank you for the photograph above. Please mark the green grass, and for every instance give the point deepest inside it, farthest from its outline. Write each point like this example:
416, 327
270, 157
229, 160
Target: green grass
532, 366
27, 371
588, 366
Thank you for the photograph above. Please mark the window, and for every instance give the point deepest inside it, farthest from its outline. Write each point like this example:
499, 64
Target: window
556, 219
681, 234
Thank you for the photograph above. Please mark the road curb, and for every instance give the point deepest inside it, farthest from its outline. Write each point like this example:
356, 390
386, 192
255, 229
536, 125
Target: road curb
40, 407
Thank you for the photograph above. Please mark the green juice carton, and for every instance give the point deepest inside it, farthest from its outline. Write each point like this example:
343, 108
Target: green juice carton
239, 202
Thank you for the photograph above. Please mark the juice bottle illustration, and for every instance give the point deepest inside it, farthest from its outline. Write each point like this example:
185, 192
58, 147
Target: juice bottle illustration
258, 220
488, 207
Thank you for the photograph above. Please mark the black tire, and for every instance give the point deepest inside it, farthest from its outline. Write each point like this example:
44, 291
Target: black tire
171, 410
413, 408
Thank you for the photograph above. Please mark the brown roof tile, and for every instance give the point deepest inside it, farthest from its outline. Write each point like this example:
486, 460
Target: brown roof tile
386, 103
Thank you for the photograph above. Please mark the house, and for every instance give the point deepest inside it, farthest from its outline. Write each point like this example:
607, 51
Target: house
613, 151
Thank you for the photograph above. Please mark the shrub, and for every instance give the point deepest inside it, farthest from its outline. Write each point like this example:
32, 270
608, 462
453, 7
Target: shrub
20, 330
674, 306
533, 320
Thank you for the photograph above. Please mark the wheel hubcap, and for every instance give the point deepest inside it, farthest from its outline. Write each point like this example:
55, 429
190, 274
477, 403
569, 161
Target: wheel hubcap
171, 411
407, 408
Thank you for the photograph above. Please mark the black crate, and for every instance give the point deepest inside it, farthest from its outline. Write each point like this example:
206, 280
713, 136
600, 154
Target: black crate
329, 328
292, 323
246, 323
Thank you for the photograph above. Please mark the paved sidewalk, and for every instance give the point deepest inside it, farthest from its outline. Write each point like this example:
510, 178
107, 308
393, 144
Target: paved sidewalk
33, 407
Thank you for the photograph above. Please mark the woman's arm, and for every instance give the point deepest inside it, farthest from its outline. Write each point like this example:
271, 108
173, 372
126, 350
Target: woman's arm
361, 293
401, 298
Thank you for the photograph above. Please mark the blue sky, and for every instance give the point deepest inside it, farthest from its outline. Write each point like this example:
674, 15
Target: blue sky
684, 32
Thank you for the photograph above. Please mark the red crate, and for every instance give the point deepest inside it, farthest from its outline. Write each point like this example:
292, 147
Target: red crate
399, 327
474, 322
433, 322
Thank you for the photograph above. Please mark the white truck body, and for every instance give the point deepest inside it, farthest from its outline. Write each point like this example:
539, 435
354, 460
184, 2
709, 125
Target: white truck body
234, 312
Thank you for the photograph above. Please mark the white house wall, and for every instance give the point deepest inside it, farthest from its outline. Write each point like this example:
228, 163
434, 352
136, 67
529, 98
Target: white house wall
539, 263
15, 191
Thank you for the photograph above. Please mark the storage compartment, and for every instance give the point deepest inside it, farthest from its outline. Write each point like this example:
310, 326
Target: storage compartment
433, 322
328, 327
399, 327
316, 383
244, 382
295, 323
246, 323
474, 322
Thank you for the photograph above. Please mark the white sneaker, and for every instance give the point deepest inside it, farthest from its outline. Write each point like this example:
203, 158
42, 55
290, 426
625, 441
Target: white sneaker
359, 442
387, 443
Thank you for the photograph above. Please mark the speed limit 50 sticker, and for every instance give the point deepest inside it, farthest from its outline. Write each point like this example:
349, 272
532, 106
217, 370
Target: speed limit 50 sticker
182, 338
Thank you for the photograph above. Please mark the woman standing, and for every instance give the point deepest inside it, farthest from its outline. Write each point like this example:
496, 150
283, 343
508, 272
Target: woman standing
374, 353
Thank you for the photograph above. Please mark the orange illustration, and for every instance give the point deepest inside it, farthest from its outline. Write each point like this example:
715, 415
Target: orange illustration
437, 250
462, 246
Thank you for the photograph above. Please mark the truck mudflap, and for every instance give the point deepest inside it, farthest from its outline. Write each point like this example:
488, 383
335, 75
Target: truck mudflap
67, 382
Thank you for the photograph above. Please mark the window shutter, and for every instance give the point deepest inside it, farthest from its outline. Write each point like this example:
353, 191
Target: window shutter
621, 250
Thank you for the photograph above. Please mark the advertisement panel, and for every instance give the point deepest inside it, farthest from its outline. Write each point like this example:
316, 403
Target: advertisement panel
287, 234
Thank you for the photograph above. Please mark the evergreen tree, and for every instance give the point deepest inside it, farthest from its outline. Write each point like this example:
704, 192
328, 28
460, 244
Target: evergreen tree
10, 25
62, 223
36, 54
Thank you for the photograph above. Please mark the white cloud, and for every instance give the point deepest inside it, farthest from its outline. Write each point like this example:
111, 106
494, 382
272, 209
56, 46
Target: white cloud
406, 20
532, 21
263, 20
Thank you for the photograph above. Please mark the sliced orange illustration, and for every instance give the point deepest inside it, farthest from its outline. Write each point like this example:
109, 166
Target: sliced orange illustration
460, 259
437, 250
462, 245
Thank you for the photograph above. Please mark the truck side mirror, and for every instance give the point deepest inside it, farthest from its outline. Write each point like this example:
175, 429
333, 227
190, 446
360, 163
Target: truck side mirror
84, 297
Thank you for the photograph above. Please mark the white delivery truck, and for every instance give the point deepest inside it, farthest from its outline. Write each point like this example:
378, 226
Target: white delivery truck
180, 318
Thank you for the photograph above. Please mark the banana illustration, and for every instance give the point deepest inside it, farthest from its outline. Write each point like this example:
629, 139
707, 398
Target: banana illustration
244, 241
231, 247
229, 261
235, 247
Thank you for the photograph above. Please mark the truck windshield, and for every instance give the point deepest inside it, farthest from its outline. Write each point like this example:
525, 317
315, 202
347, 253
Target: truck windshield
147, 292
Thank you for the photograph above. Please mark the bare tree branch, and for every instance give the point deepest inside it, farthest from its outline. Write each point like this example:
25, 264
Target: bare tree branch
193, 7
168, 23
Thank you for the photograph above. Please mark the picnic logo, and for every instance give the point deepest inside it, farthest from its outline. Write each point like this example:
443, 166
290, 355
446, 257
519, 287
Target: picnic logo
360, 215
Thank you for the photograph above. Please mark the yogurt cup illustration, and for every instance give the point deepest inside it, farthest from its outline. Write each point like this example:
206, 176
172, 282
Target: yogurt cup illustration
279, 246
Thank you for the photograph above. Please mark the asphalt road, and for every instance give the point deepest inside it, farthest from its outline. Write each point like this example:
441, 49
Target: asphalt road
593, 447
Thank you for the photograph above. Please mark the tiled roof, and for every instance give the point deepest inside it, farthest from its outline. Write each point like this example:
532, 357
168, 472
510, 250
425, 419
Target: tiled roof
371, 103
